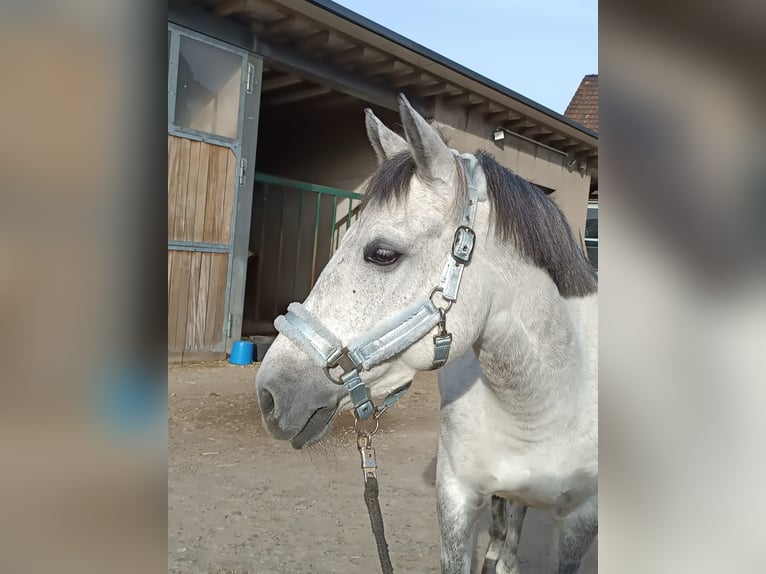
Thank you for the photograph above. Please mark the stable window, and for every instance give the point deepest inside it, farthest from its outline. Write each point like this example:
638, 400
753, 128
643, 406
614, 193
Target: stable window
591, 233
208, 88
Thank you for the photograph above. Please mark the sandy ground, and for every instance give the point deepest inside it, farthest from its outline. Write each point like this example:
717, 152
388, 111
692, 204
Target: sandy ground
240, 502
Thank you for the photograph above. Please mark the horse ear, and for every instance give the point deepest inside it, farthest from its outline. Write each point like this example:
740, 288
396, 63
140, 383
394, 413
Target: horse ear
433, 158
385, 142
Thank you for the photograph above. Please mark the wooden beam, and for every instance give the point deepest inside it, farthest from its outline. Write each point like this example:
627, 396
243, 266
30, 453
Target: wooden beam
494, 108
478, 107
457, 99
552, 138
496, 117
352, 54
298, 95
283, 81
314, 40
535, 131
386, 66
573, 147
229, 7
279, 26
324, 71
407, 79
431, 90
406, 71
518, 124
474, 100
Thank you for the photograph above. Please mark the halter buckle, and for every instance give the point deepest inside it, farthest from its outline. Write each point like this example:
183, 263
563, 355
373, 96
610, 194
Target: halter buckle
343, 360
462, 246
358, 394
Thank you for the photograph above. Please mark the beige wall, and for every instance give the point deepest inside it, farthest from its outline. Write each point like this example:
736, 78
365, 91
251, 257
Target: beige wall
328, 147
470, 132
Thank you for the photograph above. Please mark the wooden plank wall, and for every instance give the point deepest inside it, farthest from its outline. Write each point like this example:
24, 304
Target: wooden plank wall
200, 191
200, 201
196, 300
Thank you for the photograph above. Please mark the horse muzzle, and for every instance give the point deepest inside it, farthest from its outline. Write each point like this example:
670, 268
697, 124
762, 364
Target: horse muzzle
300, 410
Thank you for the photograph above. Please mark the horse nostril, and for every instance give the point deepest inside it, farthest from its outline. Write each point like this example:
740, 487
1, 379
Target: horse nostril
266, 401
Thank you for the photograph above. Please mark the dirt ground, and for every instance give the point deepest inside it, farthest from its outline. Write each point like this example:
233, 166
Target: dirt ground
240, 502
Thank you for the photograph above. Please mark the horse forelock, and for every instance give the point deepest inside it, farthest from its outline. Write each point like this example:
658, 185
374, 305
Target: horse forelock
391, 180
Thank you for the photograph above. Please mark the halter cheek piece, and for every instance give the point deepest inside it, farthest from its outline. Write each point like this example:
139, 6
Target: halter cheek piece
402, 330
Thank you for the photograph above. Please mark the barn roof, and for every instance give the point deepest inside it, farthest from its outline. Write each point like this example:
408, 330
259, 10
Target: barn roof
318, 49
584, 105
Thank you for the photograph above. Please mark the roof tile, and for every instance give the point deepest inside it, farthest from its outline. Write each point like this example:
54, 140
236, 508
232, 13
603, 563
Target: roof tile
584, 105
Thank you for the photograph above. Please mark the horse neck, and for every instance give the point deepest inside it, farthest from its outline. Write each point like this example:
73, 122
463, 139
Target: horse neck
532, 349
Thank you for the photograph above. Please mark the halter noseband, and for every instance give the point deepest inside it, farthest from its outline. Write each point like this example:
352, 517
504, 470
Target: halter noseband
399, 332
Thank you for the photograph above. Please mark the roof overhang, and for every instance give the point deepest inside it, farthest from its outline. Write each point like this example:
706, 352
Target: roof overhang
317, 49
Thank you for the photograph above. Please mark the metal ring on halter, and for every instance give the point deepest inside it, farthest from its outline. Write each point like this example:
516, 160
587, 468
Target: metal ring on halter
363, 431
344, 363
329, 375
441, 309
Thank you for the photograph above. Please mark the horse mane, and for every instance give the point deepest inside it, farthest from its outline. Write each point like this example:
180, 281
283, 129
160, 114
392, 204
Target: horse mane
521, 213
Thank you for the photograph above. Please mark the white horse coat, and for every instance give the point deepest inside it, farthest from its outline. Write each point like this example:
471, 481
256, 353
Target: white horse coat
519, 414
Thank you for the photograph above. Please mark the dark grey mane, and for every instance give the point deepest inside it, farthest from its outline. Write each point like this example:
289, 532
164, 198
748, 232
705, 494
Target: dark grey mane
522, 213
391, 180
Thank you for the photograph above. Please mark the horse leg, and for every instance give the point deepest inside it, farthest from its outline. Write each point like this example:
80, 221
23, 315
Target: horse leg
508, 561
573, 536
497, 530
458, 508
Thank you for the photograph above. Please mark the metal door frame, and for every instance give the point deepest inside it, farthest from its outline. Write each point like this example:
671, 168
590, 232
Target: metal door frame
244, 151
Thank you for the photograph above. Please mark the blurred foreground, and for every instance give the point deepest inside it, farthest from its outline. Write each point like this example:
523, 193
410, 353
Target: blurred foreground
82, 264
683, 288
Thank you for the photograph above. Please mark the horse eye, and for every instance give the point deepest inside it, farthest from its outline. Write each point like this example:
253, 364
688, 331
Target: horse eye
381, 256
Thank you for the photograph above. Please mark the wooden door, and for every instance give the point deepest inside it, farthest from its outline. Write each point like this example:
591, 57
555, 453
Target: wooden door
201, 184
210, 83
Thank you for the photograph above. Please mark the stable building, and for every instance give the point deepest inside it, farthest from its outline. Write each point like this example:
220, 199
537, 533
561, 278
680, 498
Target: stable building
268, 154
583, 108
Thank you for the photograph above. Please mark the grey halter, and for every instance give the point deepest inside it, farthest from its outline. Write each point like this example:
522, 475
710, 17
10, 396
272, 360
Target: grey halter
399, 332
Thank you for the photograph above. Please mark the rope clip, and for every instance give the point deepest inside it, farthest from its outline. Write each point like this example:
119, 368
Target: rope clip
367, 452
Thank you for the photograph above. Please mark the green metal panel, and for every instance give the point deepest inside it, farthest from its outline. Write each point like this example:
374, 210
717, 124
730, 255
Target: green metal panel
298, 243
265, 178
288, 270
278, 274
316, 238
333, 222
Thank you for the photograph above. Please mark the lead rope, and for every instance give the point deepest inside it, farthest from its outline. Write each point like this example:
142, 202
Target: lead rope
369, 471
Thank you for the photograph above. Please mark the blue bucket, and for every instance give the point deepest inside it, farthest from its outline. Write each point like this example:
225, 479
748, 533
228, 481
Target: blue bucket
242, 353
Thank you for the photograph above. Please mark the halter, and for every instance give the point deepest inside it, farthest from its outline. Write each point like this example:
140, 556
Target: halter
400, 331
